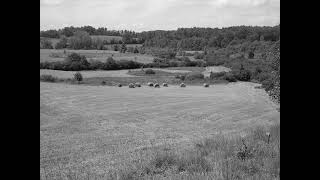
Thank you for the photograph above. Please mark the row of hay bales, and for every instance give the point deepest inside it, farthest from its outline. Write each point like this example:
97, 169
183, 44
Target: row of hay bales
157, 85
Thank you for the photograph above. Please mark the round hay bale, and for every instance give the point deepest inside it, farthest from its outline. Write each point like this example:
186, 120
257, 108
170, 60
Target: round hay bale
205, 85
137, 84
150, 84
156, 85
119, 85
131, 85
164, 84
182, 85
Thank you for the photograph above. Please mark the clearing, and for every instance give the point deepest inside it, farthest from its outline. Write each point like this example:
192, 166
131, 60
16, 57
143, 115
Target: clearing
101, 55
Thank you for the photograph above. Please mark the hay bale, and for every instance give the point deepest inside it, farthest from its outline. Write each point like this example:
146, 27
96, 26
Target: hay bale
182, 85
137, 84
131, 85
119, 85
150, 84
164, 84
205, 85
156, 85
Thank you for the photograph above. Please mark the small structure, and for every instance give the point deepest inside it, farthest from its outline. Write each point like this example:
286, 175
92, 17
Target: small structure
131, 85
156, 85
164, 84
182, 85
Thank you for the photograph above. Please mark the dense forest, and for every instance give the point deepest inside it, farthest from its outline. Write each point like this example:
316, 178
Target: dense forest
181, 39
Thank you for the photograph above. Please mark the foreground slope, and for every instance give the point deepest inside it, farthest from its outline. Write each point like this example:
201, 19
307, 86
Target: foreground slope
98, 128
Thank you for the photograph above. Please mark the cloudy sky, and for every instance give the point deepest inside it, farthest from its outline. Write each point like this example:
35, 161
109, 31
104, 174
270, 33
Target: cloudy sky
141, 15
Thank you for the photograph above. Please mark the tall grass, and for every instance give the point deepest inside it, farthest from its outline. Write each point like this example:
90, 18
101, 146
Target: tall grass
220, 157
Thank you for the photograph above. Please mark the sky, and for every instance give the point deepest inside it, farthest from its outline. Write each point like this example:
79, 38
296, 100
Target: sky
145, 15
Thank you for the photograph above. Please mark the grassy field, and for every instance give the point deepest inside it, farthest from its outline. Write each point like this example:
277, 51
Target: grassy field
110, 73
89, 131
101, 55
125, 77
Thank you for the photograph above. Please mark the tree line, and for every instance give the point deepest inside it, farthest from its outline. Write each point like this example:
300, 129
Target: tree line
182, 38
201, 38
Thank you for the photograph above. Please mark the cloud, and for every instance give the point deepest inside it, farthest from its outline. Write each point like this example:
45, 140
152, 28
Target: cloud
50, 2
158, 14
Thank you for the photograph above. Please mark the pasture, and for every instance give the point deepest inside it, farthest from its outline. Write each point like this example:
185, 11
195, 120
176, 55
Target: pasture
92, 130
101, 55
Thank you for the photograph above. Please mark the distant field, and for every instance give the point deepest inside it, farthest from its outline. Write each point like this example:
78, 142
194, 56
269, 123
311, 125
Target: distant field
101, 55
86, 74
90, 130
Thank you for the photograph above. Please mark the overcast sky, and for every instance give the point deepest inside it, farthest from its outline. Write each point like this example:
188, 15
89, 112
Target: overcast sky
142, 15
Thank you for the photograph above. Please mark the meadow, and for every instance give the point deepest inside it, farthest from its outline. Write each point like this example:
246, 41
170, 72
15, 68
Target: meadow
92, 131
101, 55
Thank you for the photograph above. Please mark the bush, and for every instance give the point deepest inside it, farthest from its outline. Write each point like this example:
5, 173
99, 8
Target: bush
230, 77
194, 76
181, 77
217, 75
78, 77
198, 55
251, 55
150, 71
48, 78
45, 44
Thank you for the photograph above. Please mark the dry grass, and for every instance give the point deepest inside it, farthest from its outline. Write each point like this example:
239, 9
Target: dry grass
91, 131
101, 55
86, 74
110, 73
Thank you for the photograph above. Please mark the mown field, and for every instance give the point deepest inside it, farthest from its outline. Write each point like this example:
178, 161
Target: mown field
101, 55
88, 131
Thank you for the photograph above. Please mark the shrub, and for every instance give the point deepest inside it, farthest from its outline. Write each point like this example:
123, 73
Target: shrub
78, 77
45, 44
194, 76
62, 43
110, 64
251, 55
48, 78
181, 77
126, 64
217, 75
150, 71
242, 74
198, 55
230, 77
262, 76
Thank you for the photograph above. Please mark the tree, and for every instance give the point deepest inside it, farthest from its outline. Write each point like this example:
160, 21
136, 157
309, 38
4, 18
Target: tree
78, 77
62, 43
115, 47
135, 50
274, 58
81, 40
45, 43
123, 48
